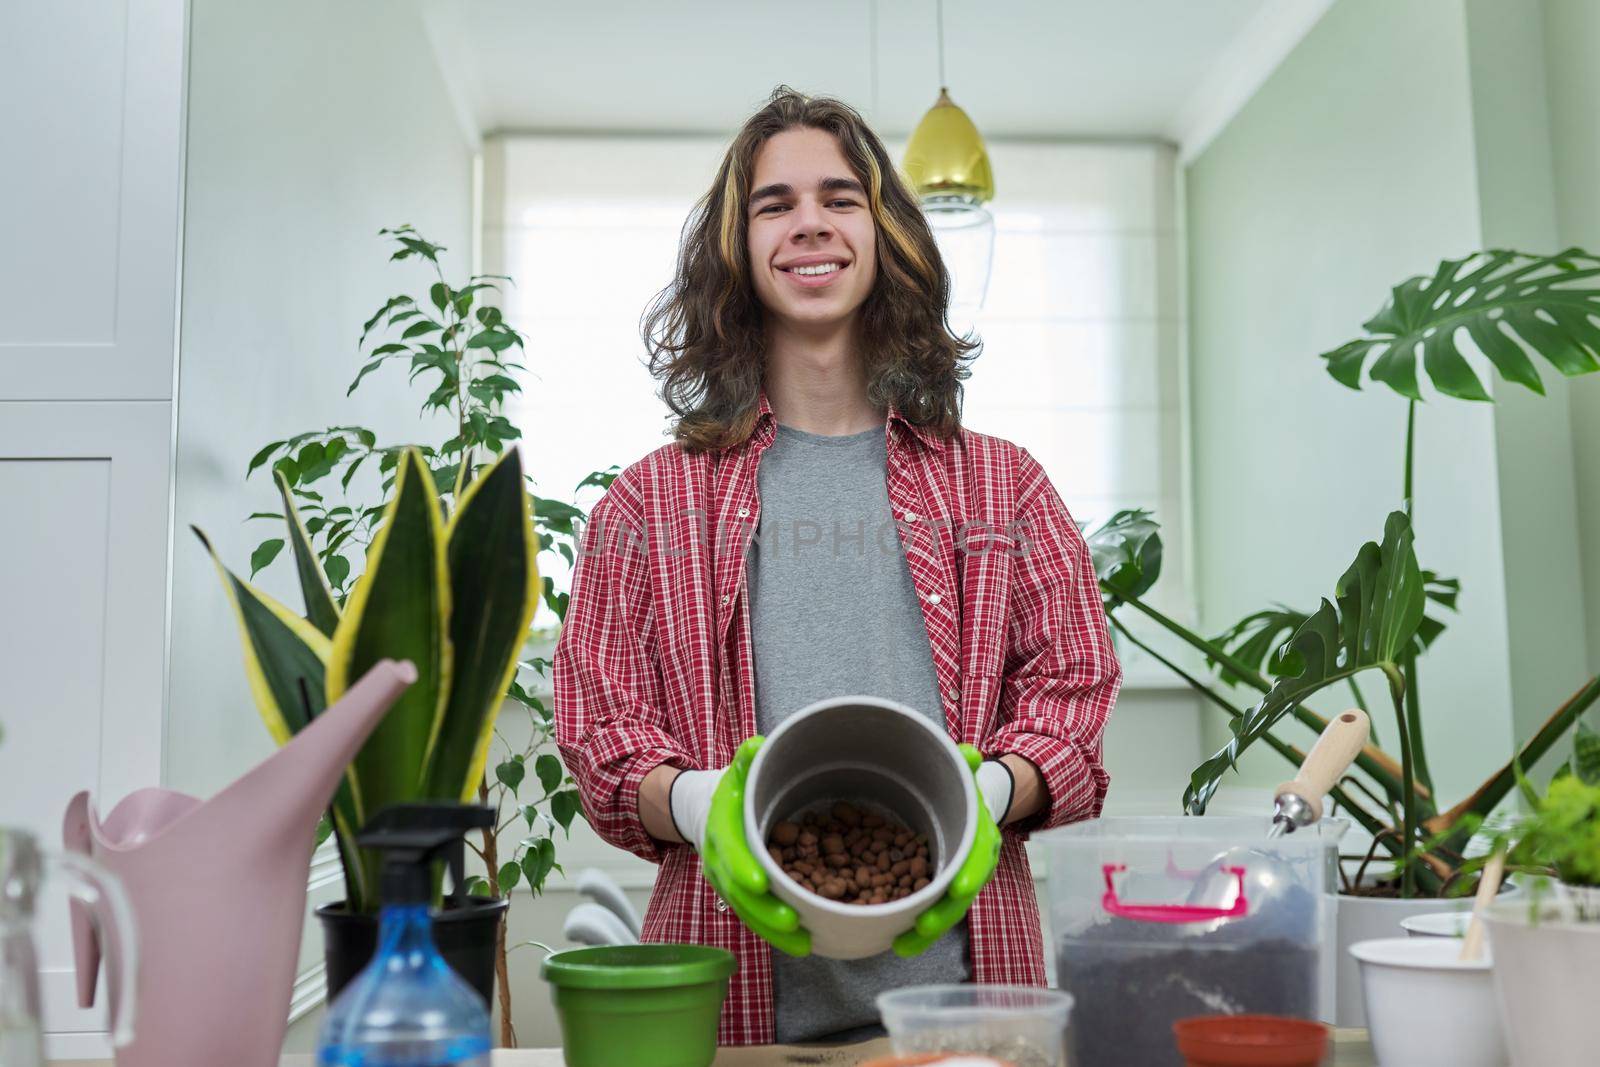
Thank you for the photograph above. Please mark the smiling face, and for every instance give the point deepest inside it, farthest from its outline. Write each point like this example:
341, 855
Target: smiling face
810, 236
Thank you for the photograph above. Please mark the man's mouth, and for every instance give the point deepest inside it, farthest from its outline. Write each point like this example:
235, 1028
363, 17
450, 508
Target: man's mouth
816, 274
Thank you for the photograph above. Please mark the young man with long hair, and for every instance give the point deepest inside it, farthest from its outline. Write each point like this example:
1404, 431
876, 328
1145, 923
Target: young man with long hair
823, 525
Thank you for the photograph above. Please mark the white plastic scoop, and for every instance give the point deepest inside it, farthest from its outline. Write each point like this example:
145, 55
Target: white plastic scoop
1257, 876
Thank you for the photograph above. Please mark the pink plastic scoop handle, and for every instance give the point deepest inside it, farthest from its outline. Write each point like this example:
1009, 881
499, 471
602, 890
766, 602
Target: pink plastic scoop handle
1169, 913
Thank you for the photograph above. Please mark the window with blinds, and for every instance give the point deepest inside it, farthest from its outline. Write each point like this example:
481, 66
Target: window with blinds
1082, 325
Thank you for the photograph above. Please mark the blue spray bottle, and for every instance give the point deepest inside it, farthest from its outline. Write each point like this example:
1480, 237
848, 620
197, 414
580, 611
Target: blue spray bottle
407, 1008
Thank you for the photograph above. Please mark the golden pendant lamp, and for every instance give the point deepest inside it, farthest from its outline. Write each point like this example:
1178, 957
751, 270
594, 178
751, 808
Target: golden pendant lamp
948, 166
946, 158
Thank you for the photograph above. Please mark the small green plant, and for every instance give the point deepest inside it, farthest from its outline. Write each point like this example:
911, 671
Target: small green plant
1563, 833
1559, 835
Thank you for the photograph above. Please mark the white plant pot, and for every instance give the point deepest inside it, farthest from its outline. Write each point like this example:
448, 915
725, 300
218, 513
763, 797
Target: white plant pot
1437, 924
1547, 981
1375, 918
1427, 1008
1582, 900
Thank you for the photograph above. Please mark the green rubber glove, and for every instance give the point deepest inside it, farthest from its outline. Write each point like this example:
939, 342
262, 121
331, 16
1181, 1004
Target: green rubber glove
973, 874
733, 870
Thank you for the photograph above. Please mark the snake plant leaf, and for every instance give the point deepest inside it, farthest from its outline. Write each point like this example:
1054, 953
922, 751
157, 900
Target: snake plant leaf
399, 609
321, 611
1378, 607
1508, 303
494, 583
282, 651
285, 663
1257, 639
1126, 550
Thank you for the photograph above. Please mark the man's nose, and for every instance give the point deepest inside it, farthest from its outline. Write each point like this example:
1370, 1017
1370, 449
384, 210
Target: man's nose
809, 220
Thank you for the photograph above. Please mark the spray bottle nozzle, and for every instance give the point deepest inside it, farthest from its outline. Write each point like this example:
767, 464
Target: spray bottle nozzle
412, 837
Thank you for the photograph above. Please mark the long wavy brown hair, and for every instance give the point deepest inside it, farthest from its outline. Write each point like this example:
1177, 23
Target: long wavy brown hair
705, 331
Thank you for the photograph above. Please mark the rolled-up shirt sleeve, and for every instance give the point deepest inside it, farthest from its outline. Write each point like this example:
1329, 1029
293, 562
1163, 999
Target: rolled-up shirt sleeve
610, 722
1060, 674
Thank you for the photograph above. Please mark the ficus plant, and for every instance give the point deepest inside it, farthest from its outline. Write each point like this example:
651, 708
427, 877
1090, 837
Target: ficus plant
339, 490
1384, 612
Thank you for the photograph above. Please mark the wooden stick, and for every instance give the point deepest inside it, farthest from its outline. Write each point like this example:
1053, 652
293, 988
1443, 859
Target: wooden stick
1488, 886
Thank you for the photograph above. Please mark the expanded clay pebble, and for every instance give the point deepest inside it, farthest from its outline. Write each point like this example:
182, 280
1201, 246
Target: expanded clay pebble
851, 855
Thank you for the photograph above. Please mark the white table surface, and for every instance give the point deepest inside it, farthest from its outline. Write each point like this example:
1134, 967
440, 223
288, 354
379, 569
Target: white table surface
1350, 1049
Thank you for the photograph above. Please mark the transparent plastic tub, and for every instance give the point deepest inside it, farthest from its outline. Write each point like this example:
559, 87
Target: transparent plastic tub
1138, 950
1020, 1025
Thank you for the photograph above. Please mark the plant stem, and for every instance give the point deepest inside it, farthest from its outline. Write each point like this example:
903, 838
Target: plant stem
1419, 753
1287, 751
491, 859
1355, 691
1383, 805
1361, 702
457, 354
1411, 439
1377, 763
1487, 796
508, 1030
1408, 874
1189, 637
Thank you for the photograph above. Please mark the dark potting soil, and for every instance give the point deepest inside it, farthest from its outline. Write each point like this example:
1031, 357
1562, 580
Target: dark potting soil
1132, 980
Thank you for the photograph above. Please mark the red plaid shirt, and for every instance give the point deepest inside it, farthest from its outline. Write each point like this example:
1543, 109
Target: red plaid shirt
655, 662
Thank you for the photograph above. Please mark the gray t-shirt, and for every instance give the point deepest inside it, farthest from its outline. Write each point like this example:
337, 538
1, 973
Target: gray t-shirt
833, 612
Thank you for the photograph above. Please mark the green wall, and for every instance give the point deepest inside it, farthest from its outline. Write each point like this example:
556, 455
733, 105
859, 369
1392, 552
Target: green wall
1393, 136
1351, 169
1533, 434
1572, 39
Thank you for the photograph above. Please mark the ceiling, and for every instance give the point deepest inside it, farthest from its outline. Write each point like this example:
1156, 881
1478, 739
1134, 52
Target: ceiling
1169, 69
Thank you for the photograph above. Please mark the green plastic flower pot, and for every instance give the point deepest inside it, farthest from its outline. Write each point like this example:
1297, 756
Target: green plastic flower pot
641, 1005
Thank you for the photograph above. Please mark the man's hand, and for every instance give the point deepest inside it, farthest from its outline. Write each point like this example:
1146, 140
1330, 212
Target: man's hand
708, 811
974, 872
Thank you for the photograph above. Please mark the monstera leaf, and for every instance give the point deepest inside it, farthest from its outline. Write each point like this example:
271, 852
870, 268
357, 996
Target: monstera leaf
1378, 606
1126, 549
1257, 640
1508, 303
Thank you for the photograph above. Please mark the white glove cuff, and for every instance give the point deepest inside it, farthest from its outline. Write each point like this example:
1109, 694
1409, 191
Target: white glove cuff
996, 784
689, 803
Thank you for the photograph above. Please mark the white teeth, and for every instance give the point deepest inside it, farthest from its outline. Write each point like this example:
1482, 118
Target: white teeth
821, 268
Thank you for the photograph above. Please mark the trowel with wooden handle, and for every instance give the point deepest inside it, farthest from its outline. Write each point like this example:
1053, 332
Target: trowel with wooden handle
1247, 879
1299, 800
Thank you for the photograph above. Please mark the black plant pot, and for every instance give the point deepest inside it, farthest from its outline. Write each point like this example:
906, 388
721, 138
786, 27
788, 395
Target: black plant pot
465, 937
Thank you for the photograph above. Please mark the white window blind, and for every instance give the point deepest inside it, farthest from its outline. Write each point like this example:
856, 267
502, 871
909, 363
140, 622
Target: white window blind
1081, 326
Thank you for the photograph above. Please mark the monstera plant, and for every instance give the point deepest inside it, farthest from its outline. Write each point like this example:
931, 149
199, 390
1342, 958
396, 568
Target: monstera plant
1512, 308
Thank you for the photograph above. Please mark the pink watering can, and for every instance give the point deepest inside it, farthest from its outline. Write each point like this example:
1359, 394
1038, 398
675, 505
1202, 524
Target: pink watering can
218, 890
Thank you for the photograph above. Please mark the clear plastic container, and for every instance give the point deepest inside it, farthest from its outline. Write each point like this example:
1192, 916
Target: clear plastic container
1021, 1025
1140, 942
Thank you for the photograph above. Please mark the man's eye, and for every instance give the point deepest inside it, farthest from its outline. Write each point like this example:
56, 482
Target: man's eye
770, 207
846, 203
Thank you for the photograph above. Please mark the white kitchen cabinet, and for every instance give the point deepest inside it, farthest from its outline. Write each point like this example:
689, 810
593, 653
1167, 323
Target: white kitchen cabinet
90, 198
